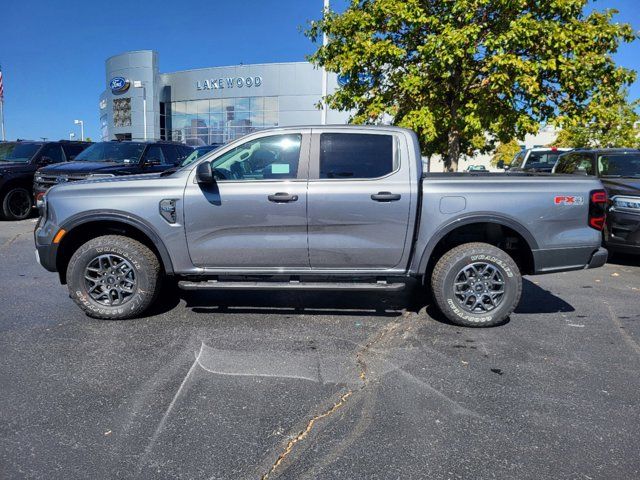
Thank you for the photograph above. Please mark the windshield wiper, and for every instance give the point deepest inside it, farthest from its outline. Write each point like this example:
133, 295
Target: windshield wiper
169, 171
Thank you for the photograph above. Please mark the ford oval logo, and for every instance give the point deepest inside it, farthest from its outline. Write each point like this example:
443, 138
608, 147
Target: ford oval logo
119, 85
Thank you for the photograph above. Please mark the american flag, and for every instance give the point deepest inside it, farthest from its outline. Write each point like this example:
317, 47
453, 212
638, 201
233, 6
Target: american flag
1, 85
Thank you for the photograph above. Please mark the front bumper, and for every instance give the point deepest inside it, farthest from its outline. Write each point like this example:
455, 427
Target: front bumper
622, 233
47, 250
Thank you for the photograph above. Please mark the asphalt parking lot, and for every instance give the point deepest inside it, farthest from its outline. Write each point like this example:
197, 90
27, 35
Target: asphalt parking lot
308, 385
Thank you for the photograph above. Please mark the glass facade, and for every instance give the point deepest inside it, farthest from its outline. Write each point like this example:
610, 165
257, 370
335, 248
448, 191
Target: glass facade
122, 112
217, 120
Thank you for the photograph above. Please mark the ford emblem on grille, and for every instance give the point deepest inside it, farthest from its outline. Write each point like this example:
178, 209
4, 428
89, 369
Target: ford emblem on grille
62, 179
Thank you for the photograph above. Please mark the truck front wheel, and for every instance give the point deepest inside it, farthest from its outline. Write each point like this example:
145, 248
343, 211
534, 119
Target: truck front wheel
476, 285
113, 277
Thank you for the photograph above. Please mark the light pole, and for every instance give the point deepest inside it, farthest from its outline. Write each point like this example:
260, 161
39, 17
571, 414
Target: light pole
81, 123
325, 79
72, 136
140, 84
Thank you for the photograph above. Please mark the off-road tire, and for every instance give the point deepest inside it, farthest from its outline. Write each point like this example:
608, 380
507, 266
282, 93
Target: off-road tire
147, 273
451, 263
5, 211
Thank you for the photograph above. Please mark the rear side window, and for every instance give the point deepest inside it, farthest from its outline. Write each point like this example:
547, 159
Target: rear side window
356, 155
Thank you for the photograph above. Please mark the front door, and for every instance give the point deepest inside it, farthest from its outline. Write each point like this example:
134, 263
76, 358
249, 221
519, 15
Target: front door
255, 215
359, 202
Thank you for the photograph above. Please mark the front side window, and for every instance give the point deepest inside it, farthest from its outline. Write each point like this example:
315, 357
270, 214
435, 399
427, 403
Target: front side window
619, 165
356, 155
575, 163
154, 156
53, 152
267, 158
114, 152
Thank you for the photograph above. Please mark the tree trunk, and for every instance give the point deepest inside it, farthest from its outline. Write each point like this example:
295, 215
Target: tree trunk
453, 151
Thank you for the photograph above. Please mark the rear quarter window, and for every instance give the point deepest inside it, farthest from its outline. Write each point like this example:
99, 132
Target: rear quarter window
356, 155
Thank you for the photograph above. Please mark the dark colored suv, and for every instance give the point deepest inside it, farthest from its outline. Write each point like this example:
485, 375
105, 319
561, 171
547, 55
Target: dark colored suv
18, 163
111, 159
619, 171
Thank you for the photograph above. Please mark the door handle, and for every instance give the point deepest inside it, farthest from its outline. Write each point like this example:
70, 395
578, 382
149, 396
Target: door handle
386, 197
282, 197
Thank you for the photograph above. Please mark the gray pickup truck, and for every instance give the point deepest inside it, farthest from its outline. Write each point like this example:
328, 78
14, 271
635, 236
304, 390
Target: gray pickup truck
324, 208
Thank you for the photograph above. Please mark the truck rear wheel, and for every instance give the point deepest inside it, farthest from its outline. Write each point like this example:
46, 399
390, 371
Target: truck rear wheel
476, 285
113, 277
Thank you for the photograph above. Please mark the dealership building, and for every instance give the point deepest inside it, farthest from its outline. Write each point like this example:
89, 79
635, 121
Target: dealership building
208, 105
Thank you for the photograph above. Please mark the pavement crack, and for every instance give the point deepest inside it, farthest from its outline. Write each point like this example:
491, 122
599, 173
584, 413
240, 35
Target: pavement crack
363, 375
303, 434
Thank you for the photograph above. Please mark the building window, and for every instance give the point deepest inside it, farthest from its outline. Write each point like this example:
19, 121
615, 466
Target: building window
205, 122
122, 112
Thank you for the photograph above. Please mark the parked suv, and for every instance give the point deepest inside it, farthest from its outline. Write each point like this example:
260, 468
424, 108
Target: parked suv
18, 163
324, 208
619, 171
111, 159
538, 159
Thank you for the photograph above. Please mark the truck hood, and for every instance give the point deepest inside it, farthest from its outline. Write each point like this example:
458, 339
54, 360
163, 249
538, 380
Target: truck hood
16, 167
622, 186
75, 168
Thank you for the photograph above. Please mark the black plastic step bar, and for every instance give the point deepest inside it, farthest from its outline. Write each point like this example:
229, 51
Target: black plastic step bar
291, 285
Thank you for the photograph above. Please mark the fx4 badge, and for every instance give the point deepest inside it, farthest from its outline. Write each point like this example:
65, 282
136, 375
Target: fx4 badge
568, 200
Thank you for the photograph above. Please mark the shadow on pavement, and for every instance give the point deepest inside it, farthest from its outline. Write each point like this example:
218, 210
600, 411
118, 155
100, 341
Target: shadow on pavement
535, 299
624, 259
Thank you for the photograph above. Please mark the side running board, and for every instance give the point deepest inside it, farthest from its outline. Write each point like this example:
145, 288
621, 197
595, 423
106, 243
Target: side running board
294, 285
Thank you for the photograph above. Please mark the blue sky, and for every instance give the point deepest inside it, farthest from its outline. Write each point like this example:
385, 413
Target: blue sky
52, 53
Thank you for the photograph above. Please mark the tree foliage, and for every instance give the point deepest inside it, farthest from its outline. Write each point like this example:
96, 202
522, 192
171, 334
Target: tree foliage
505, 152
465, 74
609, 122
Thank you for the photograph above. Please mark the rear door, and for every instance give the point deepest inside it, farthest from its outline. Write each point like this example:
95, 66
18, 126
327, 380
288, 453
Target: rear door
359, 200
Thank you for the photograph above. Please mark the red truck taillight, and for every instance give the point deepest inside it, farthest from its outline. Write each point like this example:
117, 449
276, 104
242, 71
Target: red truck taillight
597, 209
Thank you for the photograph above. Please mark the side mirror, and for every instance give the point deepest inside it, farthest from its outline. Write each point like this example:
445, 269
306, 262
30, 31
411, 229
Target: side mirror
44, 160
204, 174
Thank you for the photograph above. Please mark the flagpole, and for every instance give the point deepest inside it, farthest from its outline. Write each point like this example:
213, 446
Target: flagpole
2, 115
325, 79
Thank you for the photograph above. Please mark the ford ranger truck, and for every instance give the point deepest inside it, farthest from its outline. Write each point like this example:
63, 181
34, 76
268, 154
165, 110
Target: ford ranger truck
319, 208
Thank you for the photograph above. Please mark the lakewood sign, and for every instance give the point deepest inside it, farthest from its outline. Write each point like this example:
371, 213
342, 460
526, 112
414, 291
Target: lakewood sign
229, 82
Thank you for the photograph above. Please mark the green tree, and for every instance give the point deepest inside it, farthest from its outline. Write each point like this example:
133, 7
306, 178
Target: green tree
465, 74
505, 152
610, 122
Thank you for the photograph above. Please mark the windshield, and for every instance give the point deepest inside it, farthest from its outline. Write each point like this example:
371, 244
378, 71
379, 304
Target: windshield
619, 165
517, 160
5, 149
20, 152
114, 152
196, 154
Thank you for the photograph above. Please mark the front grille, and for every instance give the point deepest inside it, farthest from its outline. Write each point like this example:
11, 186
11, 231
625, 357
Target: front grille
47, 181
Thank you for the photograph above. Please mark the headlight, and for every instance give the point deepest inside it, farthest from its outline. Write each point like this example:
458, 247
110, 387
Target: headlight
626, 203
41, 203
93, 176
38, 178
